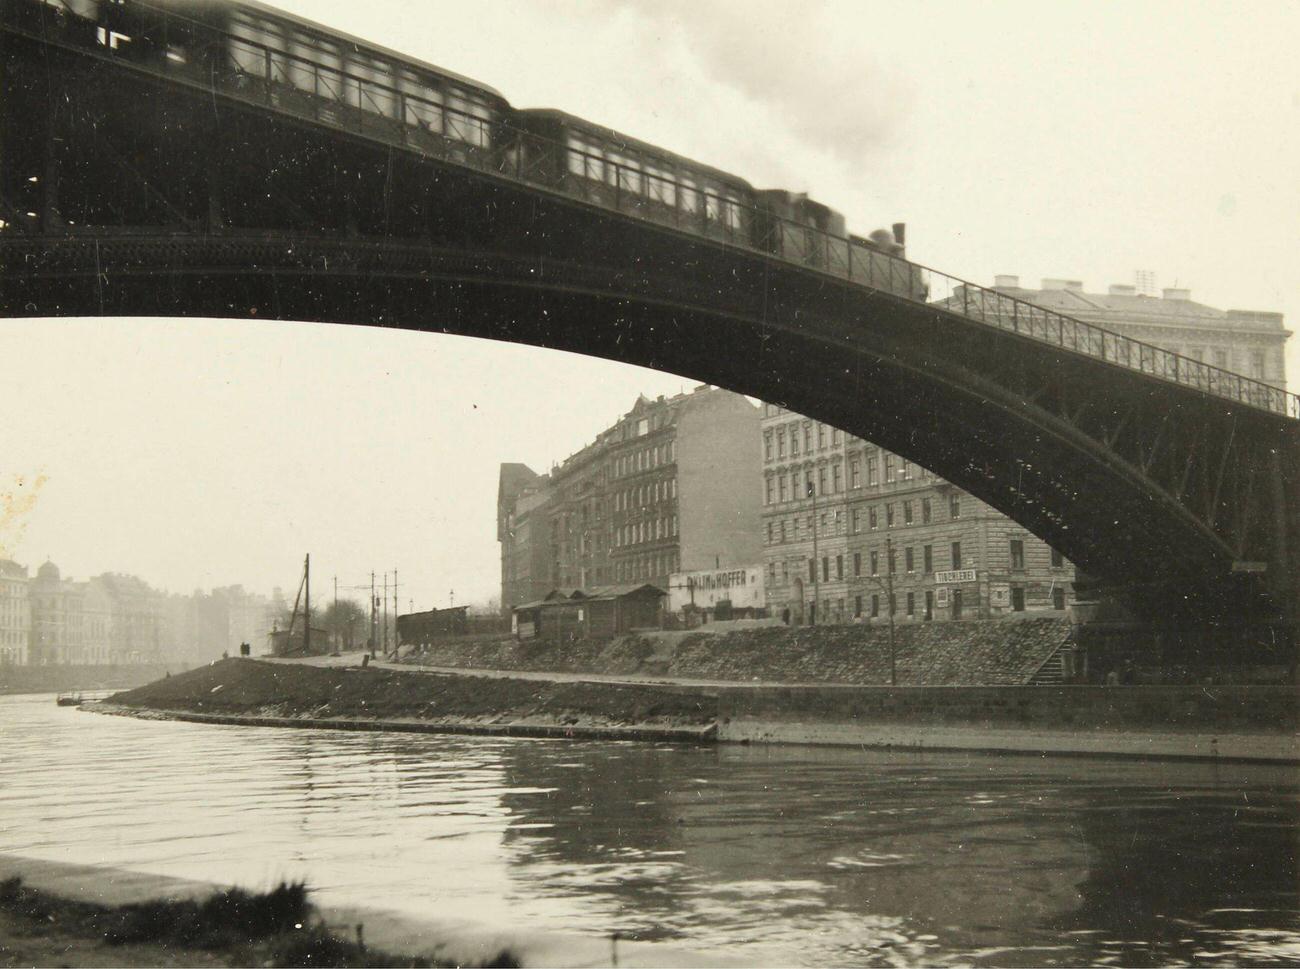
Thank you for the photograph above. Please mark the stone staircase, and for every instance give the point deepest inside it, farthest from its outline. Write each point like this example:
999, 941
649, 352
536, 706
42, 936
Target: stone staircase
1053, 670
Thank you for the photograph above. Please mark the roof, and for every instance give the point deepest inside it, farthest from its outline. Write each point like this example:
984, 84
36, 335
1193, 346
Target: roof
1125, 307
619, 591
567, 597
12, 570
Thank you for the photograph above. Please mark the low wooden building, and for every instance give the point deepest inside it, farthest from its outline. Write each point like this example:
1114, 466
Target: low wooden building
602, 612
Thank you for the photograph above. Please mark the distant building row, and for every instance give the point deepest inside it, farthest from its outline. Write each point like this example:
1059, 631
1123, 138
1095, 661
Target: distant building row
733, 510
49, 620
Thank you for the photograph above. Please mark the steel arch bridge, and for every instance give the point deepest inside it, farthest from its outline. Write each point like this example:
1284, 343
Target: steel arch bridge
131, 189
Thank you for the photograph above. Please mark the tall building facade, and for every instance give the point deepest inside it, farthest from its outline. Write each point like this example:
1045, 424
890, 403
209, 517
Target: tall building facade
15, 613
848, 525
1247, 342
670, 486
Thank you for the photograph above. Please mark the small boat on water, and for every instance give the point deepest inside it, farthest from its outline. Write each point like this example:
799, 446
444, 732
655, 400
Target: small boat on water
76, 698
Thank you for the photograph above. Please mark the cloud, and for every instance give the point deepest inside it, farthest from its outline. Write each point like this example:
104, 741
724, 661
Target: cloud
804, 64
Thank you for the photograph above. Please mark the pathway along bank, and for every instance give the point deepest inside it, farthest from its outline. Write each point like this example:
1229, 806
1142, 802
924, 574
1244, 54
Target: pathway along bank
1217, 723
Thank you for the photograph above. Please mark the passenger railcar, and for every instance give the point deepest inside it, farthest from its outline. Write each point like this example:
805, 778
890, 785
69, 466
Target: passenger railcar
260, 54
611, 169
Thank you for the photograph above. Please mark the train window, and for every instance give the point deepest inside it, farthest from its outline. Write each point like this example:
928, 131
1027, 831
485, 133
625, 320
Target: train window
689, 193
465, 120
624, 172
247, 58
660, 187
585, 158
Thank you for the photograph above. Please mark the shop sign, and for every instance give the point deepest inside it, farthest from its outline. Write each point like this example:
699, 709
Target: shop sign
954, 576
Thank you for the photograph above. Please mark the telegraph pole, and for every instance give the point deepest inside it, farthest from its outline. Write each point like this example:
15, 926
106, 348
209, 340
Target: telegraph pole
306, 607
385, 613
334, 633
372, 615
396, 642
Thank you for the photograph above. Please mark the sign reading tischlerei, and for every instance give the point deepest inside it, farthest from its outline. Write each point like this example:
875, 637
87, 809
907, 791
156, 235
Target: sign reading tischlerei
954, 575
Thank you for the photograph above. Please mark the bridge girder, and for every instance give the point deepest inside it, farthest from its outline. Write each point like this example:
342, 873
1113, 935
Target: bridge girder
156, 199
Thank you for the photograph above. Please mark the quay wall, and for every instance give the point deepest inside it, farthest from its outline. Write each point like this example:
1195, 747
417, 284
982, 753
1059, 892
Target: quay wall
1249, 723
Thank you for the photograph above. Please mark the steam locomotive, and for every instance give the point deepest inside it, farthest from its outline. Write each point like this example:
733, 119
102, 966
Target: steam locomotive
250, 49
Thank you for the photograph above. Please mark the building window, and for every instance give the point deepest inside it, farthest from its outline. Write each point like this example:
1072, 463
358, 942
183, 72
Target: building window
781, 489
1017, 598
911, 604
954, 506
780, 442
875, 605
807, 437
826, 568
873, 521
907, 470
839, 566
808, 483
770, 490
956, 603
812, 570
856, 521
855, 473
907, 513
769, 533
837, 483
956, 555
889, 468
889, 515
835, 436
927, 558
1017, 556
1058, 598
893, 560
857, 606
1058, 559
875, 563
857, 567
925, 511
821, 436
871, 473
1221, 359
1257, 364
821, 481
908, 562
929, 606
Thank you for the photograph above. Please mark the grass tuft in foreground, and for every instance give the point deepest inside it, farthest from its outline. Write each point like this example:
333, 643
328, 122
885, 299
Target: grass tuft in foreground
275, 928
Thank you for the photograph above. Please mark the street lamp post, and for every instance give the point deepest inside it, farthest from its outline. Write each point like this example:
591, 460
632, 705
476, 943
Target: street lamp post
889, 583
812, 492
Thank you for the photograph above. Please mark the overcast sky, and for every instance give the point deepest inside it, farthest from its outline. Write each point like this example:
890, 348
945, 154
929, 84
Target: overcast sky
1082, 140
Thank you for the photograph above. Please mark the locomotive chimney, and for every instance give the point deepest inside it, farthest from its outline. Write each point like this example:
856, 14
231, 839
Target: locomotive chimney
900, 233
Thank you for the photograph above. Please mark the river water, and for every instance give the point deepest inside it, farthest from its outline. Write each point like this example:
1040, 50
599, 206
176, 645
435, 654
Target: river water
784, 855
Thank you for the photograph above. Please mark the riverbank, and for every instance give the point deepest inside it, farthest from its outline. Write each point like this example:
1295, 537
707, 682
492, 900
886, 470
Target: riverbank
1206, 723
53, 914
372, 698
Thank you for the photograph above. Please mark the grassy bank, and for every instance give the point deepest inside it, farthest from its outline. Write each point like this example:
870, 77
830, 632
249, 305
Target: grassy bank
249, 688
231, 928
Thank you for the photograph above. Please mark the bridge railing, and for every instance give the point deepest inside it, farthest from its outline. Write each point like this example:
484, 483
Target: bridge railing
368, 106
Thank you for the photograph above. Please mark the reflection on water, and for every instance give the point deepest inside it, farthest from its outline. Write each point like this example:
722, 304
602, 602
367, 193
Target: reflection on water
808, 855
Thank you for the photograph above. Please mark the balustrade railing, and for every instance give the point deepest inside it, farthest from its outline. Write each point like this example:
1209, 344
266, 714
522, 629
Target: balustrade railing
367, 106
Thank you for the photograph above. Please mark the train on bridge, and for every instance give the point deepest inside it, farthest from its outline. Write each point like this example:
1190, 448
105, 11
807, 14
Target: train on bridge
304, 68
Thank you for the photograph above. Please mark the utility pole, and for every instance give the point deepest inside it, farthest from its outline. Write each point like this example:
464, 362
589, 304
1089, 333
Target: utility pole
385, 613
812, 490
372, 615
396, 642
306, 607
334, 633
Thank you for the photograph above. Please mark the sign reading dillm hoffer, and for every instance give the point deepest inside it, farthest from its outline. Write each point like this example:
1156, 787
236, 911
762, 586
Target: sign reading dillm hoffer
743, 588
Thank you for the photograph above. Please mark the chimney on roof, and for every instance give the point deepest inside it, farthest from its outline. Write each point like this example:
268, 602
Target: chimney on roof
1006, 282
1184, 294
1123, 289
1072, 285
